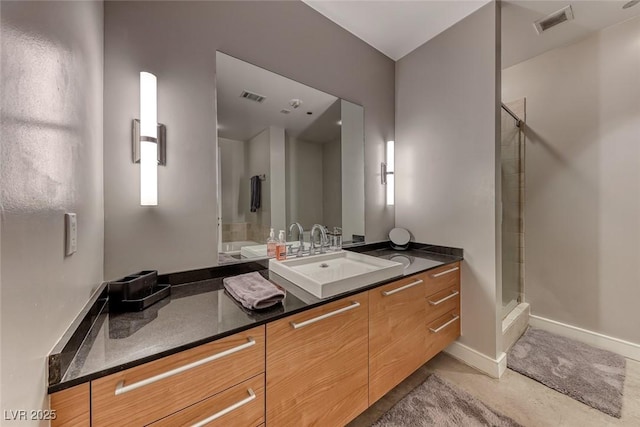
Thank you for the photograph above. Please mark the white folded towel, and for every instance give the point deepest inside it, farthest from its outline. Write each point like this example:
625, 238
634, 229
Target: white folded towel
253, 291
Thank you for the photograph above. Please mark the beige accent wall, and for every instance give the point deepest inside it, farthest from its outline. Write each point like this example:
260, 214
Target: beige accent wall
582, 207
51, 81
447, 143
177, 41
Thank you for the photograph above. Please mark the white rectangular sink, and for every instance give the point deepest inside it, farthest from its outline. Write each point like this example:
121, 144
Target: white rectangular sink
333, 273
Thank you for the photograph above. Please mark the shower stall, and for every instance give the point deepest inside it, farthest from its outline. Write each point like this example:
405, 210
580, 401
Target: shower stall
512, 162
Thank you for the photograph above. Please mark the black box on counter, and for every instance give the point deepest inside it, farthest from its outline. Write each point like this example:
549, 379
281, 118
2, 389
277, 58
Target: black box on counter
136, 292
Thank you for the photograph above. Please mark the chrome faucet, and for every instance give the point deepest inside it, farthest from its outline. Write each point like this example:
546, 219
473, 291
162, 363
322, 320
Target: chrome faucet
300, 237
323, 238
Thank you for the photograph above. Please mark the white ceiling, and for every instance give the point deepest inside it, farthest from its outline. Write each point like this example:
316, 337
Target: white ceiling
396, 27
520, 41
242, 119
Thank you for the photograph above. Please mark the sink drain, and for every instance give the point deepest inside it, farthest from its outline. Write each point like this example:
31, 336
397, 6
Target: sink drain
324, 265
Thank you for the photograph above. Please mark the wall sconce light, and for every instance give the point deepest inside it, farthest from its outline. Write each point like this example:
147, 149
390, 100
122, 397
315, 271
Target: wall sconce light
149, 140
387, 170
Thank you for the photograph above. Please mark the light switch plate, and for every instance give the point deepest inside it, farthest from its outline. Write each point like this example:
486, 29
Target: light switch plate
71, 233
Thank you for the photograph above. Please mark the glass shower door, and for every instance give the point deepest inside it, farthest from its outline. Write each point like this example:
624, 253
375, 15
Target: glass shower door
512, 212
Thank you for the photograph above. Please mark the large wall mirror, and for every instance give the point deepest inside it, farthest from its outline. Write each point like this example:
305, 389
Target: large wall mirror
287, 153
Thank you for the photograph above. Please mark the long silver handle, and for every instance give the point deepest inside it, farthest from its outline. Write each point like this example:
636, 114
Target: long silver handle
440, 301
442, 273
121, 388
354, 304
435, 331
225, 411
402, 288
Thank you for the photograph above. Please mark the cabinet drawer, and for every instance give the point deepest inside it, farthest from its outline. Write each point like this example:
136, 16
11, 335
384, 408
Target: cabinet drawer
396, 334
442, 332
239, 406
442, 278
146, 393
317, 365
440, 303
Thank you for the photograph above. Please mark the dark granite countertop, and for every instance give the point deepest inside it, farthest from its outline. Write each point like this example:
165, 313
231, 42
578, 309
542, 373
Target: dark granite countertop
198, 311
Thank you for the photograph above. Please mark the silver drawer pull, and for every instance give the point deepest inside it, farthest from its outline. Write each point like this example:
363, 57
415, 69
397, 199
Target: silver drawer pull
435, 331
448, 297
402, 288
353, 305
121, 388
225, 411
442, 273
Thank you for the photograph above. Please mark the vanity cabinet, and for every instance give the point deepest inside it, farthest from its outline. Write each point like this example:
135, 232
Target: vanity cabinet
323, 366
410, 321
149, 392
317, 365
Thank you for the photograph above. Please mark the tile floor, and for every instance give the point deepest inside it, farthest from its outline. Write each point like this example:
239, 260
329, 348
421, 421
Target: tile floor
525, 400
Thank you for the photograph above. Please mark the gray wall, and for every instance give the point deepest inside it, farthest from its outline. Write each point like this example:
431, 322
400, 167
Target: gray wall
304, 182
177, 41
276, 178
332, 184
51, 132
582, 207
355, 204
234, 193
258, 163
446, 186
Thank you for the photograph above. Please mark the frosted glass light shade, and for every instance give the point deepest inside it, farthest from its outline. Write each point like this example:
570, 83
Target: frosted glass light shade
148, 173
148, 105
390, 173
390, 156
148, 140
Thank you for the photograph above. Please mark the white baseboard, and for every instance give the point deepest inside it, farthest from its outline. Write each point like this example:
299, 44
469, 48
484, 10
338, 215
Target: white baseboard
492, 367
624, 348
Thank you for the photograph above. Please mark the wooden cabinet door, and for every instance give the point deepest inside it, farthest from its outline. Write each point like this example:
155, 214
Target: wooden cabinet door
317, 363
396, 333
239, 406
442, 332
146, 393
72, 407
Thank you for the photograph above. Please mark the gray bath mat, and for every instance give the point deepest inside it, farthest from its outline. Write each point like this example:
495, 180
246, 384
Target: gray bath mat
437, 403
590, 375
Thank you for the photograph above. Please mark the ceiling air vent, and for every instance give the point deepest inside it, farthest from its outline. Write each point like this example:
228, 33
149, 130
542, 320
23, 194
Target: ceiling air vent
252, 96
563, 15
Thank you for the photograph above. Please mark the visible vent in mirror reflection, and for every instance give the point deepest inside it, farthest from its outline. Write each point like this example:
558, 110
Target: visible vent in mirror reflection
252, 96
563, 15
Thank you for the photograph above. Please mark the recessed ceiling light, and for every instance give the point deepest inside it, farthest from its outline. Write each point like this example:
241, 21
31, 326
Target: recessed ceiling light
630, 4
